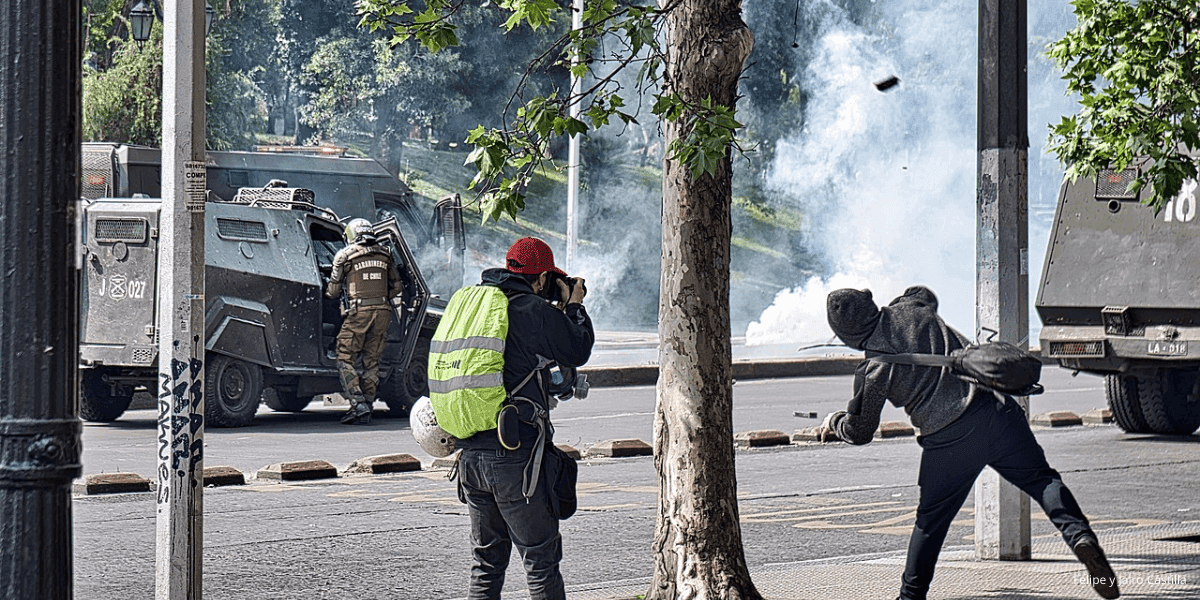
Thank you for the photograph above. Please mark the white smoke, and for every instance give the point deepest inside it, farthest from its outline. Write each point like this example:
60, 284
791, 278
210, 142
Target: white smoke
887, 180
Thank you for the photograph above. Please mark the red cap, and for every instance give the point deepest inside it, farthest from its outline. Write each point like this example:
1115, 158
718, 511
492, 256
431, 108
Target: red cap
530, 256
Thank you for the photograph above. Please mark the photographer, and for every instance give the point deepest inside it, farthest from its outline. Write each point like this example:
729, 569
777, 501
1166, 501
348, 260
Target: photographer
491, 477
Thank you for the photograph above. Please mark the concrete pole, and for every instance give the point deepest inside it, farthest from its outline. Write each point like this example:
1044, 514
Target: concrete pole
573, 152
1002, 245
180, 511
40, 78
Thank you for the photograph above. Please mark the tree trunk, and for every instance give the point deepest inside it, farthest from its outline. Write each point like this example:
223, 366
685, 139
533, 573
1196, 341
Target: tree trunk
698, 542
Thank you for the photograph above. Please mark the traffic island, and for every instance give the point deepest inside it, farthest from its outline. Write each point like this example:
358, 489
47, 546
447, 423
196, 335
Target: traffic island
222, 476
110, 483
570, 451
1058, 418
620, 449
300, 470
386, 463
761, 438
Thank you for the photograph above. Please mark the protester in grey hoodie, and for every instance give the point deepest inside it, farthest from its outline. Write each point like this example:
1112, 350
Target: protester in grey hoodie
963, 428
932, 398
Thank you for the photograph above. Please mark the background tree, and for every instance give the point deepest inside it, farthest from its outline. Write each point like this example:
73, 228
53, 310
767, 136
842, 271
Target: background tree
123, 102
1136, 67
695, 51
122, 85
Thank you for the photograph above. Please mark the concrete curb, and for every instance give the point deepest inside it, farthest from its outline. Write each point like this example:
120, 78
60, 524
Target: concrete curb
1058, 418
222, 476
385, 463
761, 439
620, 449
111, 483
742, 369
300, 470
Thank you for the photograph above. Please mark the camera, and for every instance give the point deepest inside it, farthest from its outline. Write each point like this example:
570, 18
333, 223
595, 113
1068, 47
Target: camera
551, 291
567, 382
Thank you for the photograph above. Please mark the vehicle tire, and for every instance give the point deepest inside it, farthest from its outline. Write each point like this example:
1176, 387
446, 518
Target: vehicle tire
1165, 403
97, 402
404, 387
234, 389
1123, 400
284, 400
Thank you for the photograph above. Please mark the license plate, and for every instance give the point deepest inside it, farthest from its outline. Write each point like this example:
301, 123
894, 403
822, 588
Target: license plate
1167, 348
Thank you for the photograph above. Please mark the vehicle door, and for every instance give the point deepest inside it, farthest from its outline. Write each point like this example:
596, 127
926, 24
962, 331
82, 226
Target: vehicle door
413, 302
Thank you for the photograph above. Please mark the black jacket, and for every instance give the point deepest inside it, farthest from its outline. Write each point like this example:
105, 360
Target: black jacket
535, 327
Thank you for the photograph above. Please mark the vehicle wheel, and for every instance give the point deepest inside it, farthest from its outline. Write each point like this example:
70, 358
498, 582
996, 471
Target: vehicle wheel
1165, 402
1123, 400
234, 389
402, 389
285, 400
97, 401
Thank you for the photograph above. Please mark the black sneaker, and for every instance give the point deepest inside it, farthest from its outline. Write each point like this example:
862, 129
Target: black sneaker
1101, 575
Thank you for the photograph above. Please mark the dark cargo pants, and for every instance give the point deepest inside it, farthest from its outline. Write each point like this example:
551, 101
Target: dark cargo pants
987, 434
364, 332
490, 484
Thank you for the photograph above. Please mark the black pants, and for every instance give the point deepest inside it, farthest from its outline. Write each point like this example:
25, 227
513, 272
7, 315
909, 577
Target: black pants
490, 484
988, 434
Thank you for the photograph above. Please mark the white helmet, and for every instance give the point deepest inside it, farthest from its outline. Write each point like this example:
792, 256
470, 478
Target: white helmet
433, 439
359, 228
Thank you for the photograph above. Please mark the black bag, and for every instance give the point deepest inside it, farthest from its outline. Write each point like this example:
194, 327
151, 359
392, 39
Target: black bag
559, 474
1000, 366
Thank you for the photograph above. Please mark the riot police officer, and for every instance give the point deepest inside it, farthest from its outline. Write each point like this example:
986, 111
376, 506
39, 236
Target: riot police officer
369, 273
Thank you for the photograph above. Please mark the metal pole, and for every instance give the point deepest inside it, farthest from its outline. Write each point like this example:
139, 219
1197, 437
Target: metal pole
180, 511
1002, 244
40, 78
573, 154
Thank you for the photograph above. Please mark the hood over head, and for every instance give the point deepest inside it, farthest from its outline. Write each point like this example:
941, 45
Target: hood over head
852, 315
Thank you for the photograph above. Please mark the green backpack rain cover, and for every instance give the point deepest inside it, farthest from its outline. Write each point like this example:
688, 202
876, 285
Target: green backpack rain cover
466, 361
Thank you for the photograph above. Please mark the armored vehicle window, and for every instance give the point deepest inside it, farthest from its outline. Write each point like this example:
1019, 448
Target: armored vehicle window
412, 226
1114, 185
120, 230
238, 179
326, 243
236, 229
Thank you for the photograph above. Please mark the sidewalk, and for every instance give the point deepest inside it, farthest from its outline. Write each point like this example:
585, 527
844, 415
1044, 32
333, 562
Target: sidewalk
1160, 562
766, 363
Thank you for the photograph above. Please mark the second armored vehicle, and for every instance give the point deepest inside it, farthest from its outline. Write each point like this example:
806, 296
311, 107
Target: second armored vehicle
268, 326
1119, 298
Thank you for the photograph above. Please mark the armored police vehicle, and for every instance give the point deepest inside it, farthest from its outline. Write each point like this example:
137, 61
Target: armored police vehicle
1119, 297
268, 255
351, 187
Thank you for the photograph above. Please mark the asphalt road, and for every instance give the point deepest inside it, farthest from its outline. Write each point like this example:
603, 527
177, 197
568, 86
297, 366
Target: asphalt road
405, 536
128, 444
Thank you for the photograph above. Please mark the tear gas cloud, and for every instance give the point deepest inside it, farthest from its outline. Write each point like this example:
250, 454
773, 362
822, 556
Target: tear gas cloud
886, 181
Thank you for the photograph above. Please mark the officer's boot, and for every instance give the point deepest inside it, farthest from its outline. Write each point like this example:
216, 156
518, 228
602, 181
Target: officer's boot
359, 412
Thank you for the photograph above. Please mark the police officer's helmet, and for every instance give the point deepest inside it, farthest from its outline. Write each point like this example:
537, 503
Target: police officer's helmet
359, 230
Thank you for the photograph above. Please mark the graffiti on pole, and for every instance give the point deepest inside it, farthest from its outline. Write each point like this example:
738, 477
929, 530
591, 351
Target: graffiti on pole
180, 446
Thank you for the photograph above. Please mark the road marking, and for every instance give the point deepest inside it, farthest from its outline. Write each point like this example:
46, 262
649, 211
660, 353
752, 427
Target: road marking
762, 517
